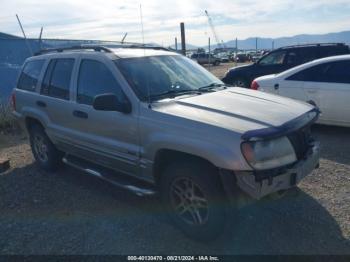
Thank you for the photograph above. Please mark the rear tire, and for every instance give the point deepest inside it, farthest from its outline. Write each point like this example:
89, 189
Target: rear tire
193, 196
45, 153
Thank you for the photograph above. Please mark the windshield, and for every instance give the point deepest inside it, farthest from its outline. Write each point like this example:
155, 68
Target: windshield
165, 76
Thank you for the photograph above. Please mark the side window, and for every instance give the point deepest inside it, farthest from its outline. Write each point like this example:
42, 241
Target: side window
332, 72
307, 54
57, 78
333, 50
96, 79
311, 74
292, 58
30, 74
337, 72
274, 58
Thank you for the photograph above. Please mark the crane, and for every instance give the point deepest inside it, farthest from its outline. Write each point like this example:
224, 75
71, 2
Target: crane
210, 21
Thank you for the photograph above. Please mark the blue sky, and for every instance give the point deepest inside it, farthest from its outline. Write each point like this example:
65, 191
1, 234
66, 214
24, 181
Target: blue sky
110, 19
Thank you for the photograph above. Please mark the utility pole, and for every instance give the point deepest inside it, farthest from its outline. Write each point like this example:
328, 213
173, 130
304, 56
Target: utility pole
176, 43
183, 38
209, 52
24, 35
40, 38
256, 45
236, 51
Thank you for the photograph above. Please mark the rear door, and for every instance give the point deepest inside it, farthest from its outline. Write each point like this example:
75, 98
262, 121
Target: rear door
107, 138
28, 82
55, 99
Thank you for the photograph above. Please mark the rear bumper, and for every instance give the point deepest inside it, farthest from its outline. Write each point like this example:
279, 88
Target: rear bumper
258, 188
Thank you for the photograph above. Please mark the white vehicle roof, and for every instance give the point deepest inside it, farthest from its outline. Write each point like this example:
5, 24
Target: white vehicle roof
313, 63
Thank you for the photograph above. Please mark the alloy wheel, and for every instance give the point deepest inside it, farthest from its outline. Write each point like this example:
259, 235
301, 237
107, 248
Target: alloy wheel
41, 148
188, 201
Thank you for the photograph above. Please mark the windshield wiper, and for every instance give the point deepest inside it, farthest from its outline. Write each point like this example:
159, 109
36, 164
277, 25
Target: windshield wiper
173, 93
211, 87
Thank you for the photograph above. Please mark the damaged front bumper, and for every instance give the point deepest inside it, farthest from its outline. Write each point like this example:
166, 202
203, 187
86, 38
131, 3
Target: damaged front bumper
258, 186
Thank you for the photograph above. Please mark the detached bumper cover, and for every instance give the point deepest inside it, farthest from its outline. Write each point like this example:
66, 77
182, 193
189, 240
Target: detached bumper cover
288, 178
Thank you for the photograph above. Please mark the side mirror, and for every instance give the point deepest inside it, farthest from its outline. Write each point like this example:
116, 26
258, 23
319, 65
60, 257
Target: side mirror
110, 102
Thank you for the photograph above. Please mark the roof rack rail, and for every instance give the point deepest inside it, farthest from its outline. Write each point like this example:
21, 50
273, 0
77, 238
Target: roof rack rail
148, 47
99, 48
315, 44
136, 45
96, 48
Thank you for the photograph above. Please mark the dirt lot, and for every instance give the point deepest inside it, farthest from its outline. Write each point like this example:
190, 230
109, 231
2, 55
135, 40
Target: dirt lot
68, 212
221, 69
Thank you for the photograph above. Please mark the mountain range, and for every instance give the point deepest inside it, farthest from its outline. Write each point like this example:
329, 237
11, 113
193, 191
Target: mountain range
268, 43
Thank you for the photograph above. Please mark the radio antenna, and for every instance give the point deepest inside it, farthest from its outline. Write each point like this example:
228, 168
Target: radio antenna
144, 54
143, 33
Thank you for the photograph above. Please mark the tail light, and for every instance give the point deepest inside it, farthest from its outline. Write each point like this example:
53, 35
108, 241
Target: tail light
13, 101
254, 85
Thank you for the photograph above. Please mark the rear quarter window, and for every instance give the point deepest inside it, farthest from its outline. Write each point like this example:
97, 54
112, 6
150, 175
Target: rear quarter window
333, 51
30, 75
307, 54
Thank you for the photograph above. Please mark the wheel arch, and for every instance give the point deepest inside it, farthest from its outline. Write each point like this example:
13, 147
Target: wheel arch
32, 121
164, 157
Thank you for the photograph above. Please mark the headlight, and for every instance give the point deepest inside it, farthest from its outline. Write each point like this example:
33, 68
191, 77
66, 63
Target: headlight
269, 154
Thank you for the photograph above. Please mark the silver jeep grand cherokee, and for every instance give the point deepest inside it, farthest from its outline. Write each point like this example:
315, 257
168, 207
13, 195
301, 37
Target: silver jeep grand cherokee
149, 120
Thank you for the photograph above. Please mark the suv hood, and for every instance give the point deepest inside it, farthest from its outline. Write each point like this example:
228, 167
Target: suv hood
242, 67
237, 109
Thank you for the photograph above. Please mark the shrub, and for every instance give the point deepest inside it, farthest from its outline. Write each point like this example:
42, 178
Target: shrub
8, 123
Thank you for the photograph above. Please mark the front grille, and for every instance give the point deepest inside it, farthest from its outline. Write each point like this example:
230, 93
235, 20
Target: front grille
300, 141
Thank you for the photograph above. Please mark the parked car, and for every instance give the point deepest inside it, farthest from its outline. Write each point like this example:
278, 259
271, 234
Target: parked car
203, 58
224, 57
154, 121
241, 58
324, 83
280, 60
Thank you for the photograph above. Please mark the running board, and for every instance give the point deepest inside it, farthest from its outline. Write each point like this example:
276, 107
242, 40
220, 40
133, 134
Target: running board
134, 185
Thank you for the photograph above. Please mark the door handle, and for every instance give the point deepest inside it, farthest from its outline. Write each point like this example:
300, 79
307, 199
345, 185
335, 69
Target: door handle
276, 86
41, 103
80, 114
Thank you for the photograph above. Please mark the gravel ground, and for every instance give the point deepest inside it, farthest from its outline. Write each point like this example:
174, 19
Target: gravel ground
221, 69
68, 212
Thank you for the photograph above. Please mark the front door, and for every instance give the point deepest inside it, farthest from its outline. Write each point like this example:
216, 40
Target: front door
107, 138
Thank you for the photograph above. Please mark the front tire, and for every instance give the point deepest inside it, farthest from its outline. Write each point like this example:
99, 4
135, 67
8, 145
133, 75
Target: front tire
193, 196
45, 153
